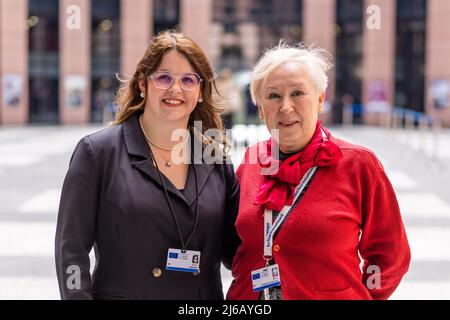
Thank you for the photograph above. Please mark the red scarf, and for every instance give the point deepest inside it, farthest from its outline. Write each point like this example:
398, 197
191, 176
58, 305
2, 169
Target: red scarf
277, 188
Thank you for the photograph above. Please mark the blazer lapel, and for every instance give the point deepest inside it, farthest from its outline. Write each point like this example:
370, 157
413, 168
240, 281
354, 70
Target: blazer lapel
203, 171
138, 147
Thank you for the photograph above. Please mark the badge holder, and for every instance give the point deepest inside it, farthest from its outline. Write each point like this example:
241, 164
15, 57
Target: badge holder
183, 260
265, 278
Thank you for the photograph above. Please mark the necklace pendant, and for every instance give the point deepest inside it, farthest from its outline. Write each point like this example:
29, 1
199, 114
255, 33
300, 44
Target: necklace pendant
168, 164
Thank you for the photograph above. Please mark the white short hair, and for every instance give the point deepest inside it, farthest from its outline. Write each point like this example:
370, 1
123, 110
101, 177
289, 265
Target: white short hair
315, 59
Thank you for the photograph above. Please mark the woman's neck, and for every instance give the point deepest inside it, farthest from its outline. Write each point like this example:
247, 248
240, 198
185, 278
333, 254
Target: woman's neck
295, 147
167, 134
291, 150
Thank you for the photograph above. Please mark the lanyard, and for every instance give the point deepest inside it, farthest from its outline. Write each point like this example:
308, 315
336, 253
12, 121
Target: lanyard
184, 244
269, 228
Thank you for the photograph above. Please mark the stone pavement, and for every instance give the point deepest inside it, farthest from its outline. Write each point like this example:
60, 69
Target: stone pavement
34, 160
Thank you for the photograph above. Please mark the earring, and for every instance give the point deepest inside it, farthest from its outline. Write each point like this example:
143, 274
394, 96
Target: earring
200, 100
142, 94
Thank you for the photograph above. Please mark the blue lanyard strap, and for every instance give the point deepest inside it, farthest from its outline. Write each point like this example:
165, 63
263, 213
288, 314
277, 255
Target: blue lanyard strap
269, 228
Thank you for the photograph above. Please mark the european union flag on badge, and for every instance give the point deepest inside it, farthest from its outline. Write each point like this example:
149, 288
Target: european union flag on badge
173, 255
256, 276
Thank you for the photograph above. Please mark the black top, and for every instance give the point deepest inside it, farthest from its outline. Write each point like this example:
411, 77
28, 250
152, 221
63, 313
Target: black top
283, 156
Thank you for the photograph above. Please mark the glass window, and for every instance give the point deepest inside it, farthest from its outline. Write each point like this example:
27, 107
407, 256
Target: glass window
105, 58
410, 54
274, 20
43, 60
349, 18
166, 15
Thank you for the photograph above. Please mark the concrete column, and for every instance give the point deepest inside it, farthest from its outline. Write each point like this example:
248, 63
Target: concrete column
136, 28
319, 26
248, 32
75, 61
378, 65
13, 62
216, 43
437, 53
196, 22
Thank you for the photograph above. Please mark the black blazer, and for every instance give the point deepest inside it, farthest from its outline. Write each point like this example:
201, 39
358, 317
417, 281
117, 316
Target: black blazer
112, 200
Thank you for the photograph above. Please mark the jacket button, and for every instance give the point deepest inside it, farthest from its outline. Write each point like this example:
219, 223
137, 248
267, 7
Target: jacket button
276, 248
157, 272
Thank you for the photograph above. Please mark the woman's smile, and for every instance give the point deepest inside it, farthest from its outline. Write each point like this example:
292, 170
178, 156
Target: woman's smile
288, 124
172, 102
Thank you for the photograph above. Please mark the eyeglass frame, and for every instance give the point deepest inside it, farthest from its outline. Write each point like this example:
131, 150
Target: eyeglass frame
174, 77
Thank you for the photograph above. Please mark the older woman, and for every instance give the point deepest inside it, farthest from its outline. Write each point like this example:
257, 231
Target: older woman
156, 219
311, 204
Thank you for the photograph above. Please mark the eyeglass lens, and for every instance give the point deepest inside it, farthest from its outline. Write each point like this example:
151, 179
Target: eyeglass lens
164, 80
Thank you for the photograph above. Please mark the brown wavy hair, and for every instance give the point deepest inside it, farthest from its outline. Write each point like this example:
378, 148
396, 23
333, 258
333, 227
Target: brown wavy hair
128, 96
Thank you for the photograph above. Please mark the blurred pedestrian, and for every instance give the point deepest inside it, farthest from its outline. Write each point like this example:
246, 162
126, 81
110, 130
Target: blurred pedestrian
227, 97
251, 114
321, 202
348, 115
160, 227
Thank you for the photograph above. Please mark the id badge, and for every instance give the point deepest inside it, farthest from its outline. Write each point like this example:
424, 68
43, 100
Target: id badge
266, 277
183, 260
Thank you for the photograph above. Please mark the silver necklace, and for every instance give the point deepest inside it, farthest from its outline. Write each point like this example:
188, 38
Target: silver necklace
168, 163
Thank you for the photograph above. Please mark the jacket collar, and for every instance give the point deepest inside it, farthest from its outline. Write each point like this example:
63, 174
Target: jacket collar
138, 148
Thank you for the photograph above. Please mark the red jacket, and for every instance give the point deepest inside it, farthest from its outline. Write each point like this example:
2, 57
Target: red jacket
317, 247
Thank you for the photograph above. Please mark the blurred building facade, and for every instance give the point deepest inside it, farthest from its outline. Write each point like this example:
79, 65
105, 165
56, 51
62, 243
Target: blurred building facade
58, 58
